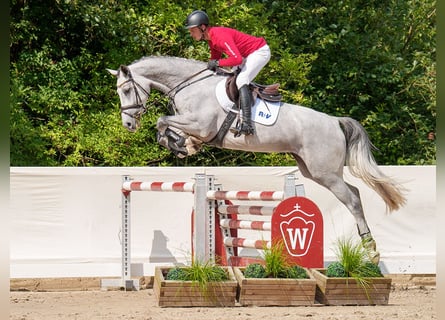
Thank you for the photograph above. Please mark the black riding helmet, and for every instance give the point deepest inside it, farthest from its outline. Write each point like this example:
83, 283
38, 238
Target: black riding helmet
196, 18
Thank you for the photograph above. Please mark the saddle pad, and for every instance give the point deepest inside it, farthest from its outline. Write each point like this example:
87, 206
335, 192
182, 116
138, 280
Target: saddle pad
263, 112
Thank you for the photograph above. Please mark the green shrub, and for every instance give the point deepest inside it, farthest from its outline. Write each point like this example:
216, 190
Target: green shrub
217, 273
375, 63
352, 261
296, 272
255, 270
201, 273
176, 274
277, 265
276, 260
336, 269
370, 269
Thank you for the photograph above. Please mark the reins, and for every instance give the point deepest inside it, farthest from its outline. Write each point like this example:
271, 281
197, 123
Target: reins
182, 85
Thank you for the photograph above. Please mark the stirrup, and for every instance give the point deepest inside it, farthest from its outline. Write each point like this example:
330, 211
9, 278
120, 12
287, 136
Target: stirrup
237, 130
244, 128
247, 129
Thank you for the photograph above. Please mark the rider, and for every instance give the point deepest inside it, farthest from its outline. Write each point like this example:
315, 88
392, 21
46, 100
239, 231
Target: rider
247, 52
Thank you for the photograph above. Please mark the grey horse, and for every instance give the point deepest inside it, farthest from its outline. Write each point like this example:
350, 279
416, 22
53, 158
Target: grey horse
320, 143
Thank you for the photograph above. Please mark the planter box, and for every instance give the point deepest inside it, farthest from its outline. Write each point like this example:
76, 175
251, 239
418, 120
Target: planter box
275, 291
346, 291
172, 293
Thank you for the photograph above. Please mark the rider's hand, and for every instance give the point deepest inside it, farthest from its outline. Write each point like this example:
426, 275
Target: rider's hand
212, 65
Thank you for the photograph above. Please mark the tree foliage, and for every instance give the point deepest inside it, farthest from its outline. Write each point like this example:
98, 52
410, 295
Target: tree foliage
373, 61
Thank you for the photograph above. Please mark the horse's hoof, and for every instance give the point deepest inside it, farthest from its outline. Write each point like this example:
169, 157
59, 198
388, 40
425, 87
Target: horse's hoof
371, 248
192, 145
191, 150
159, 136
180, 153
369, 243
177, 138
374, 257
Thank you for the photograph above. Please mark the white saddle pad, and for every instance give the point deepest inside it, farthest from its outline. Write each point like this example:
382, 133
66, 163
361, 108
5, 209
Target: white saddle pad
264, 112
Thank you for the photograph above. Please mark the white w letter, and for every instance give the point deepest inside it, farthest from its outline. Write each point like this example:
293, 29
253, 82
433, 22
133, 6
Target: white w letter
297, 237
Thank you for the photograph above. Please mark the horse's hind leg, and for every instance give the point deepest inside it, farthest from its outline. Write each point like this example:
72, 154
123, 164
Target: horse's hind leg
350, 197
367, 239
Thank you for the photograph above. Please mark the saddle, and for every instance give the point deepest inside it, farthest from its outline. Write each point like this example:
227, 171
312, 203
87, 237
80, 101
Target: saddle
265, 92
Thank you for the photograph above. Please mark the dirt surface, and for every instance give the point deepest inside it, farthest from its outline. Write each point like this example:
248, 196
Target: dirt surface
405, 302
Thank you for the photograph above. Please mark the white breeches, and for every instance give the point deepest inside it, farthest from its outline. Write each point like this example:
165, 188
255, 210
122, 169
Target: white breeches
252, 65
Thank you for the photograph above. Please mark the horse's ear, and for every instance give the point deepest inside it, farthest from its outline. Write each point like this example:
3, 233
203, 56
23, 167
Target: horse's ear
113, 72
125, 70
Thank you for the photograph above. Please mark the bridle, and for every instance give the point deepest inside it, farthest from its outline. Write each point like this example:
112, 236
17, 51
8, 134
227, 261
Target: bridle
139, 104
171, 94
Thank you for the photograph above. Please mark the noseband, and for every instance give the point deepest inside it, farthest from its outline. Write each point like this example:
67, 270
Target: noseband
138, 104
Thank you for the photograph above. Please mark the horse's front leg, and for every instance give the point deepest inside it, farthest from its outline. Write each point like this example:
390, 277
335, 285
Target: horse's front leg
162, 124
176, 139
173, 142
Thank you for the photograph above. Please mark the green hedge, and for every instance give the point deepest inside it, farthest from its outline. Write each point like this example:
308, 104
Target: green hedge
373, 61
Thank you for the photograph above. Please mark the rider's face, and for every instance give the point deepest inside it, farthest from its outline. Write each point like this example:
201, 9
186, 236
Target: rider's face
195, 32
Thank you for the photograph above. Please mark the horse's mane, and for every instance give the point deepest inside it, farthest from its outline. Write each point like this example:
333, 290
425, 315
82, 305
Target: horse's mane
170, 58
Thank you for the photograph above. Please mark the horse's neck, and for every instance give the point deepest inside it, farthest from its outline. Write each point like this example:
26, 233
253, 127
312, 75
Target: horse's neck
164, 74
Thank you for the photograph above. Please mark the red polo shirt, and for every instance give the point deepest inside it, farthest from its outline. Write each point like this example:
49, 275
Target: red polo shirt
235, 44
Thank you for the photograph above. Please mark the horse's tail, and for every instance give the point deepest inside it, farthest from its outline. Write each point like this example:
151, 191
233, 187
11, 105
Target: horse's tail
362, 164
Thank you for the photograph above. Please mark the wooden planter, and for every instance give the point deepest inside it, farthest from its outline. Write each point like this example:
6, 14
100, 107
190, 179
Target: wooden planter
275, 291
346, 291
172, 293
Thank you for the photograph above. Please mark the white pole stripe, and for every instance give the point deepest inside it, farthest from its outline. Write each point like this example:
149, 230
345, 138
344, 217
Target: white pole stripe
248, 210
126, 185
245, 224
246, 195
246, 243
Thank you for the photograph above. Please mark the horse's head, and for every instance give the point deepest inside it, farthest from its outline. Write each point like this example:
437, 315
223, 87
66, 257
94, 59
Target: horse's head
133, 97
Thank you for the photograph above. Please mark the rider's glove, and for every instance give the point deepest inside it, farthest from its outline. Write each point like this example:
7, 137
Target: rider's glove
212, 65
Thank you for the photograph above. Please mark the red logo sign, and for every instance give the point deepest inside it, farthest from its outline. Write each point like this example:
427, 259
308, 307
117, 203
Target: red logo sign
298, 222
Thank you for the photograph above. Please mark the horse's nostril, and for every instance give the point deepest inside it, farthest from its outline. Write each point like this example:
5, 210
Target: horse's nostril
128, 124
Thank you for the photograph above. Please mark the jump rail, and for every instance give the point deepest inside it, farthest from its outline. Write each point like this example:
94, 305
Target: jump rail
208, 200
250, 210
158, 186
246, 195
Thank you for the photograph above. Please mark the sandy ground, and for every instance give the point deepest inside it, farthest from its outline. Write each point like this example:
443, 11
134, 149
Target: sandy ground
405, 302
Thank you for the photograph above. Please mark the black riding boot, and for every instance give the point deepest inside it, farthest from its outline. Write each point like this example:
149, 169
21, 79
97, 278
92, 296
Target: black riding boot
245, 100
